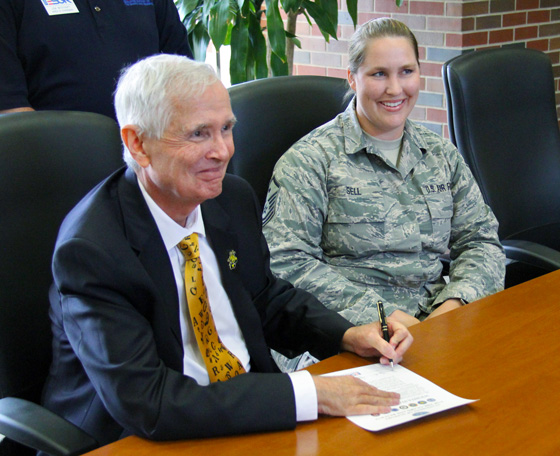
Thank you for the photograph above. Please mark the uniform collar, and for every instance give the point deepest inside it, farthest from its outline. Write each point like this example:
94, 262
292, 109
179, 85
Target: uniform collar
355, 140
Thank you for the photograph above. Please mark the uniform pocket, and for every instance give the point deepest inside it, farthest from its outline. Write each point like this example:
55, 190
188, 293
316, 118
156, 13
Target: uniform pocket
440, 207
355, 223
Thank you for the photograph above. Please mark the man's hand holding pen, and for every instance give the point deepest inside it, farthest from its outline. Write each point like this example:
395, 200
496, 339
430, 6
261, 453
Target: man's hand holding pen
367, 341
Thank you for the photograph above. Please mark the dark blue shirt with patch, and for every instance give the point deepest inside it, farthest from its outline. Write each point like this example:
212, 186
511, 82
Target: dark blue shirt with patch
72, 61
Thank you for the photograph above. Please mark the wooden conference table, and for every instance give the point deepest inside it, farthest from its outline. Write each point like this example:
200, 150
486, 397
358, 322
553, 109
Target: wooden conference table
503, 350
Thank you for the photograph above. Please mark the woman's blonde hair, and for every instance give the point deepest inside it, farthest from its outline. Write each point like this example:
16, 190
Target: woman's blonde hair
376, 28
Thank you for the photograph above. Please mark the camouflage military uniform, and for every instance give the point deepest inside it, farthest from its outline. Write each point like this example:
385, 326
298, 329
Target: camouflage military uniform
349, 227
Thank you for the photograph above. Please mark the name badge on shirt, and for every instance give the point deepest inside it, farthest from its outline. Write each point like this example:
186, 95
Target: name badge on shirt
55, 7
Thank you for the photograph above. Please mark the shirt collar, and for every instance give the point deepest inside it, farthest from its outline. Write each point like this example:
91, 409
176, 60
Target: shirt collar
171, 232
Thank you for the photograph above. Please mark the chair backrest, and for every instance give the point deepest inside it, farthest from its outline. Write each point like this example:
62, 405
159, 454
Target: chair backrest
502, 117
273, 114
50, 160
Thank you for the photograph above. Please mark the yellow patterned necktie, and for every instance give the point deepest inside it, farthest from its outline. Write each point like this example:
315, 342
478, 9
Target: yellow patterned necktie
221, 363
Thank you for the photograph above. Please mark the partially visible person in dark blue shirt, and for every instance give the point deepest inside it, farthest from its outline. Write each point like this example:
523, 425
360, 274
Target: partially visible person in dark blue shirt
68, 54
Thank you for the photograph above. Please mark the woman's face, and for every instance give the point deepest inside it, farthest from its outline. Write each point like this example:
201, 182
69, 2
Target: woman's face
386, 86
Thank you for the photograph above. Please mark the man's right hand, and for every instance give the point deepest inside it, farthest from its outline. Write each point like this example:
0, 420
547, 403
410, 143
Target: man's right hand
347, 395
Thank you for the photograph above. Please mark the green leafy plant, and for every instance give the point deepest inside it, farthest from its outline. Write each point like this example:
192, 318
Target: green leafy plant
260, 44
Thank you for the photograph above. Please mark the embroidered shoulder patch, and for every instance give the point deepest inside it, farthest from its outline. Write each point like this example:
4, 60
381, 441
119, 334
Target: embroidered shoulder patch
270, 206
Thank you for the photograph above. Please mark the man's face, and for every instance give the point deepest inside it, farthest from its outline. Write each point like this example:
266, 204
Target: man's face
187, 165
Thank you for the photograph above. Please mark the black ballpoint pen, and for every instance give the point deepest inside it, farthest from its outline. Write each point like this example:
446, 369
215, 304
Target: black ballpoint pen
383, 323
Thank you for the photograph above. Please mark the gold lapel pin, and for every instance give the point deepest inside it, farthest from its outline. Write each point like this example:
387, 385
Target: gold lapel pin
232, 260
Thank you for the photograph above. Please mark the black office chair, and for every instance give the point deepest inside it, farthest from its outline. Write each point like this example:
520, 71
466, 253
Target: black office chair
50, 160
273, 114
502, 117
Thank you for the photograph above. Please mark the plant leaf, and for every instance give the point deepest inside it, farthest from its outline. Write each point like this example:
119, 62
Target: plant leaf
290, 5
185, 7
352, 6
331, 9
239, 52
294, 38
219, 22
275, 29
199, 40
258, 46
277, 66
207, 6
322, 18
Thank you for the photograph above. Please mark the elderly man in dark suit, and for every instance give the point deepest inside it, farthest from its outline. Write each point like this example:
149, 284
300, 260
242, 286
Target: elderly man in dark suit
131, 353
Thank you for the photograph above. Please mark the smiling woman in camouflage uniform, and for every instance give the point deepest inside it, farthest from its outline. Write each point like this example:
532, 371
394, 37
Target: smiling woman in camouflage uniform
362, 208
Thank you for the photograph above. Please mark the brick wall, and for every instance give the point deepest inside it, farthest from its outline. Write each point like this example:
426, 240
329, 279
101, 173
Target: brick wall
443, 29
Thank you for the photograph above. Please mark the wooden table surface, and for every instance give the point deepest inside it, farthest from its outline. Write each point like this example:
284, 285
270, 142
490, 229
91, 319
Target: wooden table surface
503, 350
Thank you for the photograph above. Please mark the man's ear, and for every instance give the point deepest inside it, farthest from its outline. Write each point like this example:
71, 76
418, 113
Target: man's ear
135, 144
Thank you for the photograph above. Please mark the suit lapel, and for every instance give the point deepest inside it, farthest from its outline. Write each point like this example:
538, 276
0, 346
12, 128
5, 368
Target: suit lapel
144, 237
223, 241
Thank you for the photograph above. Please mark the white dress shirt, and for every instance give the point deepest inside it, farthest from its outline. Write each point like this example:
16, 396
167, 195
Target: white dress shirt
226, 324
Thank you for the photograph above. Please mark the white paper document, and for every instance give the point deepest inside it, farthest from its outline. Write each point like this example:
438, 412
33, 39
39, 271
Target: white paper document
419, 396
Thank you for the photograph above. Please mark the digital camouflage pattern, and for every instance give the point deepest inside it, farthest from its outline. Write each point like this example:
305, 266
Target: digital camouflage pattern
349, 227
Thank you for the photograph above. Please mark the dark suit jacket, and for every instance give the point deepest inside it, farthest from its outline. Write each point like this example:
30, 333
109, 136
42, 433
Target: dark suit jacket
117, 363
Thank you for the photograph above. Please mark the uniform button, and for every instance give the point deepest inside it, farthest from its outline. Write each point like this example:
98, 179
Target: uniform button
97, 9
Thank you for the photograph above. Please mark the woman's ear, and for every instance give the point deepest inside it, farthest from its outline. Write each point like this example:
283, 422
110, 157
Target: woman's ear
351, 80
